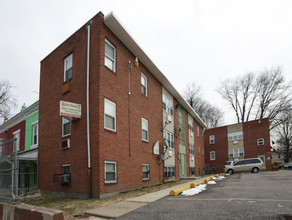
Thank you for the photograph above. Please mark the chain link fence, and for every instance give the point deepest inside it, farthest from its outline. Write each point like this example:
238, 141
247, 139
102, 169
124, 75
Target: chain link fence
8, 170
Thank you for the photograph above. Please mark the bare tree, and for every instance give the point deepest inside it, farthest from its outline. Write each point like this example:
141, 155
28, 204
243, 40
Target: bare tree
263, 95
284, 131
6, 98
241, 94
273, 95
211, 115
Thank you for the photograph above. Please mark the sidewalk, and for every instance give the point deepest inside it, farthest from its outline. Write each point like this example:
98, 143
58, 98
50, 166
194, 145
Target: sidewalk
121, 208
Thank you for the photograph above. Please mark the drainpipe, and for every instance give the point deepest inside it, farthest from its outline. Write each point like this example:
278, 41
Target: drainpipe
87, 111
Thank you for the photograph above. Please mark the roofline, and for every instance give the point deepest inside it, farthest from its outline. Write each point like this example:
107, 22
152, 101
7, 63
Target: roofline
112, 22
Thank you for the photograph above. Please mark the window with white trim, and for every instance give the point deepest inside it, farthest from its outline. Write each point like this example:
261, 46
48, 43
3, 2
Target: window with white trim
66, 127
234, 153
169, 171
109, 115
143, 84
145, 171
68, 64
235, 136
167, 104
191, 149
145, 132
110, 171
212, 155
35, 132
16, 142
198, 131
168, 139
110, 56
260, 142
191, 126
212, 139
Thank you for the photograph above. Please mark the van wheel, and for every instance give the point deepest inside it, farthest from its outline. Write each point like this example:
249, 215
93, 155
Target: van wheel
230, 171
255, 170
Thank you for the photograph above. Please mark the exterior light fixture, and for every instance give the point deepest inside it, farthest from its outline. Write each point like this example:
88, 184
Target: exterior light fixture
136, 62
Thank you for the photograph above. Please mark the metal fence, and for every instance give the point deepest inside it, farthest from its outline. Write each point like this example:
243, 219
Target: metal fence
8, 170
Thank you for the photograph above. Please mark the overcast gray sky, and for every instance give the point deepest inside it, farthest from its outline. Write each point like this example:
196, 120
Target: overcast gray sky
205, 41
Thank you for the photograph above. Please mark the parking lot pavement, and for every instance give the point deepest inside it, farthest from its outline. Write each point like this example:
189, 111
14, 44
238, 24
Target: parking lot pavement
265, 195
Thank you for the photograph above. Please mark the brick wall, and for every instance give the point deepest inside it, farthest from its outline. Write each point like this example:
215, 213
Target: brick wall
105, 145
199, 143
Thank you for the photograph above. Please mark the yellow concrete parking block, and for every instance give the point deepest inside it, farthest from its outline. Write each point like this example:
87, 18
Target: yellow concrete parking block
179, 190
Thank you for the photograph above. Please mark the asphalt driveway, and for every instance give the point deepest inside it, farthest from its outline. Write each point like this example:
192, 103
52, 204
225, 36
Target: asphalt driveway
265, 195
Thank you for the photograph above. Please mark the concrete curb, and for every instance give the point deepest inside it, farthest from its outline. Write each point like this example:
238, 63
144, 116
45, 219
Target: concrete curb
179, 190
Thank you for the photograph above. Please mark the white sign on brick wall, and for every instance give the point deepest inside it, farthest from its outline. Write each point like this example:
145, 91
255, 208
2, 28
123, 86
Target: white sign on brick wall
69, 109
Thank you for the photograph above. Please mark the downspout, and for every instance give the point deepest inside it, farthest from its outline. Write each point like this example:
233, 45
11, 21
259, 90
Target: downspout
87, 111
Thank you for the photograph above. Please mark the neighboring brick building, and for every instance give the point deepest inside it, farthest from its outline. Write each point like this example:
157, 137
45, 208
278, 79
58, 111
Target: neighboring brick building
246, 140
136, 117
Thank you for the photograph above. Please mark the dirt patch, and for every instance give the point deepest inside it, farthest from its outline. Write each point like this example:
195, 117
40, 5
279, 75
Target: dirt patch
74, 208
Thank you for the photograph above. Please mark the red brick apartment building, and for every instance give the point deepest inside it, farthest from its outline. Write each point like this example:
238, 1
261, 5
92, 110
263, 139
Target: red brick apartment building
246, 140
128, 127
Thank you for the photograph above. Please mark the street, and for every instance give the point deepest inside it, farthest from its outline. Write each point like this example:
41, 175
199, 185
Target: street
265, 195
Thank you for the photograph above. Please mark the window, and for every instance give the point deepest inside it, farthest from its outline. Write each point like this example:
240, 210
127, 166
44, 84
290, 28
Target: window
260, 142
279, 155
66, 127
109, 115
145, 171
198, 131
239, 152
110, 172
110, 56
191, 126
35, 134
143, 84
191, 149
235, 136
169, 171
68, 63
212, 155
212, 139
198, 152
167, 104
66, 169
192, 171
145, 133
168, 139
16, 135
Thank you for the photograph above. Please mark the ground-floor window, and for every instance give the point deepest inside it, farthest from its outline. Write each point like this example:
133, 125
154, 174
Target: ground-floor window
110, 171
192, 171
169, 171
146, 171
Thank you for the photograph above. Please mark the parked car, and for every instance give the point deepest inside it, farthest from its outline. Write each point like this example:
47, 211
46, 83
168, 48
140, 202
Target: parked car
287, 166
250, 164
228, 164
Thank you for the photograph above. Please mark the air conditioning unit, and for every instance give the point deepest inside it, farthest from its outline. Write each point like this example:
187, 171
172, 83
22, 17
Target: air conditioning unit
170, 153
65, 144
235, 142
169, 119
65, 178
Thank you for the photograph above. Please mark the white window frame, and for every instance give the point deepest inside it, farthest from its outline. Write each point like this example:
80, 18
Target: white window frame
146, 86
147, 170
191, 126
105, 171
146, 121
107, 57
36, 123
167, 104
168, 136
17, 142
237, 152
107, 101
235, 136
191, 149
198, 131
63, 123
65, 67
212, 155
261, 142
212, 139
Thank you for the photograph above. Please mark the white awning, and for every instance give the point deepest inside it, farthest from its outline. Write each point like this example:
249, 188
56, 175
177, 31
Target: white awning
28, 155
